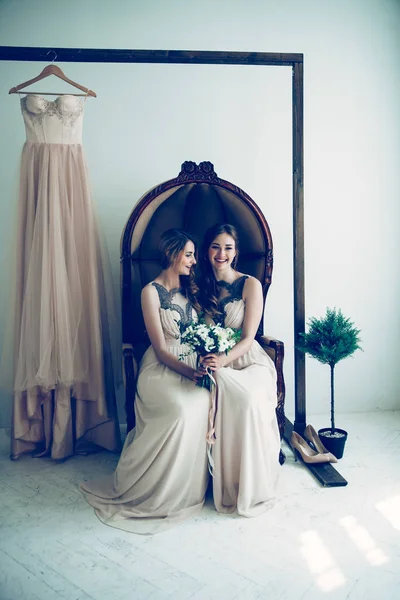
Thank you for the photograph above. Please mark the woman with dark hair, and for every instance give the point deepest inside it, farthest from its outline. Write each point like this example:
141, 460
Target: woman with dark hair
162, 474
246, 450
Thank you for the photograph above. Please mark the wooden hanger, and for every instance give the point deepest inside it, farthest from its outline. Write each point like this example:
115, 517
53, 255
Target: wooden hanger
52, 70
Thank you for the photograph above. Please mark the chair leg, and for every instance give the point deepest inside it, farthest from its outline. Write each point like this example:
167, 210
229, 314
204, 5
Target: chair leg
280, 414
130, 388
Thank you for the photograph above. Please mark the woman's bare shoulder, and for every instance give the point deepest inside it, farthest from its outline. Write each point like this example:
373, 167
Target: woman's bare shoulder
251, 284
249, 279
149, 291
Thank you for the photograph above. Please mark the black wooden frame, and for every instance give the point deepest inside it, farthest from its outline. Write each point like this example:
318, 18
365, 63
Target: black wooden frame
295, 61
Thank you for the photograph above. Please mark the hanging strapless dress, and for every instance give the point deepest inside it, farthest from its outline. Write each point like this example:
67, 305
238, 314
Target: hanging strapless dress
64, 394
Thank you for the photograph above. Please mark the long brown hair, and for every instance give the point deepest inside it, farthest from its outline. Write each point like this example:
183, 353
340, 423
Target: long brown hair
172, 243
209, 293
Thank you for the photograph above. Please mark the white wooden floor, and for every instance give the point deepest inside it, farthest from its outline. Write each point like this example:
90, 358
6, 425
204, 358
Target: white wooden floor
315, 543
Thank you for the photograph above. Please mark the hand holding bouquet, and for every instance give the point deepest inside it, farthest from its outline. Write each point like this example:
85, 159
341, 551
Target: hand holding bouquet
205, 338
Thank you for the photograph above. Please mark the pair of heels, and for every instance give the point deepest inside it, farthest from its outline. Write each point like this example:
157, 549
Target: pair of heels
300, 446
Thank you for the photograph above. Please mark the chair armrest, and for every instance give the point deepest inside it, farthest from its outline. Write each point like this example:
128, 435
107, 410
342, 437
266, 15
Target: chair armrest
276, 351
273, 347
129, 367
129, 371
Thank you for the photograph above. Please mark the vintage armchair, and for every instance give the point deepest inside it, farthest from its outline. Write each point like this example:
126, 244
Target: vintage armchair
193, 201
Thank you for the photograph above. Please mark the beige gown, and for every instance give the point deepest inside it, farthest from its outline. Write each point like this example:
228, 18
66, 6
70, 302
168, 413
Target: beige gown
246, 451
62, 373
161, 477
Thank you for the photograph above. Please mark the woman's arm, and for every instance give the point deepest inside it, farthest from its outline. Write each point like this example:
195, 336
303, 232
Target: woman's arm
151, 314
254, 304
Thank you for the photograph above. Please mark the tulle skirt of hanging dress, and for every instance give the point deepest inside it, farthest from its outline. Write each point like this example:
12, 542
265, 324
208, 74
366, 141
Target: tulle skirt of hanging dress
64, 324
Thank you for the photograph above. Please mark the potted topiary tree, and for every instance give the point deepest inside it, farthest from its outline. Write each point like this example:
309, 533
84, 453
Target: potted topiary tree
331, 339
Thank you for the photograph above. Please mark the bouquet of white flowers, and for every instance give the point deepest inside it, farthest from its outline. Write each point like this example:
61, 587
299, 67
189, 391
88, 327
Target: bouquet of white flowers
205, 338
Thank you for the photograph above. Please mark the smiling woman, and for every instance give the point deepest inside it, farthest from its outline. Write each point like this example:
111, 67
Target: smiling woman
161, 477
246, 449
222, 250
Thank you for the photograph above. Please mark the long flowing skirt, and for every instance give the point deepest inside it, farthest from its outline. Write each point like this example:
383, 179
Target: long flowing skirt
246, 451
64, 322
161, 477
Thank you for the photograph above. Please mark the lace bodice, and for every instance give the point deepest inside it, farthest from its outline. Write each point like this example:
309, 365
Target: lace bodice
231, 304
53, 122
176, 311
232, 307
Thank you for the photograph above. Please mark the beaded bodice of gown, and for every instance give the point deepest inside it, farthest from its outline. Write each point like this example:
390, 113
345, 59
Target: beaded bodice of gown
53, 122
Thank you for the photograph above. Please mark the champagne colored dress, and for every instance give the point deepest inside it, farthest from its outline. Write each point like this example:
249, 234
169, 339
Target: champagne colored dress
64, 397
246, 450
161, 477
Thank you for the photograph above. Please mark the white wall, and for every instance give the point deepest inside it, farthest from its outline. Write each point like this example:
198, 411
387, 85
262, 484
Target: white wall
147, 119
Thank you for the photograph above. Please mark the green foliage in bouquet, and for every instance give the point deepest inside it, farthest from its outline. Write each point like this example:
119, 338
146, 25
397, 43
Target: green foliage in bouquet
330, 339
